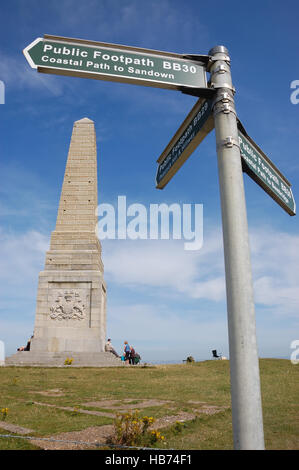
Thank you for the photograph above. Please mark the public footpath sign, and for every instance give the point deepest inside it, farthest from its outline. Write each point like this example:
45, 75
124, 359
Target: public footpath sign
263, 171
193, 130
89, 59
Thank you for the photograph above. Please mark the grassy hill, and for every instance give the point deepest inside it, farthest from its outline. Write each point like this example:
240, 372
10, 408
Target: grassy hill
52, 401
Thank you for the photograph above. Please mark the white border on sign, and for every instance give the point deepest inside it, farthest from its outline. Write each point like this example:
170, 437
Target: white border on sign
119, 77
26, 54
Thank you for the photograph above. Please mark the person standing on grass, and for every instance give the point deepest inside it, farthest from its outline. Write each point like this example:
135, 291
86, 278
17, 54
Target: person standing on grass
127, 351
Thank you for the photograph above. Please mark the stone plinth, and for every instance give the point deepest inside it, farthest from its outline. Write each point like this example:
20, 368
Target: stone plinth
50, 359
71, 312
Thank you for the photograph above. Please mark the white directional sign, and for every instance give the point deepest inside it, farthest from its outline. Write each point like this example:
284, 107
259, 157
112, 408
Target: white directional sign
102, 61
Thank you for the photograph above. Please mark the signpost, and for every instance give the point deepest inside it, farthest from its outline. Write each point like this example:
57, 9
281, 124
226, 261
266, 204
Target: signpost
193, 130
236, 151
244, 364
263, 171
101, 61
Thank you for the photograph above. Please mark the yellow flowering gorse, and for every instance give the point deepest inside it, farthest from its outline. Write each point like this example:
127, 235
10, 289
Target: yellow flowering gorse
4, 412
132, 430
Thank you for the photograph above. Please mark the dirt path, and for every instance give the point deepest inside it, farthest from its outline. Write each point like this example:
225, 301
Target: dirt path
89, 437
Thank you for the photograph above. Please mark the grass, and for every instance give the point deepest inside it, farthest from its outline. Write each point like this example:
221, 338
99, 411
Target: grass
202, 382
15, 444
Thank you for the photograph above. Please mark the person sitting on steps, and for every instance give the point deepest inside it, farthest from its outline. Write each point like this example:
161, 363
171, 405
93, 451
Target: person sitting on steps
110, 348
27, 347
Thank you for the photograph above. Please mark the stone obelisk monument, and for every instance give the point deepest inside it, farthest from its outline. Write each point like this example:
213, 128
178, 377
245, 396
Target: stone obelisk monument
71, 299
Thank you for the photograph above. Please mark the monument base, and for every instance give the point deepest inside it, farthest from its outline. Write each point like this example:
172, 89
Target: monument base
70, 312
52, 359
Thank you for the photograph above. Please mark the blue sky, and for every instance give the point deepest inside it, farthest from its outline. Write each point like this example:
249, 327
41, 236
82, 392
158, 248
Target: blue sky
167, 302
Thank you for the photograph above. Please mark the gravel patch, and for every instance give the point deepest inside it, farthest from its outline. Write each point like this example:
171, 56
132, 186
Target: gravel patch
55, 392
92, 435
77, 410
125, 404
14, 428
100, 434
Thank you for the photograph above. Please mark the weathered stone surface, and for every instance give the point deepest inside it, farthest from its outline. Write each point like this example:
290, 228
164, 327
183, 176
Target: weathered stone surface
52, 359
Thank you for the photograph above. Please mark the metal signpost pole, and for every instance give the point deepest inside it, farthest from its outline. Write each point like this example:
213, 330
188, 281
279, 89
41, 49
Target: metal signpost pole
244, 366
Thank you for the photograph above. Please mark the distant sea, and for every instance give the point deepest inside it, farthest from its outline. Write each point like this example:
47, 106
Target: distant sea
180, 361
177, 361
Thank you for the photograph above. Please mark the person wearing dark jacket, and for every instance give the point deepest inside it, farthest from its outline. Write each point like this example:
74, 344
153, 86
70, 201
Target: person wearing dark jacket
27, 347
132, 355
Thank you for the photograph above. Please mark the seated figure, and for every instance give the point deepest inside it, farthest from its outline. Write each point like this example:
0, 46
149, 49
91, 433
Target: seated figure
110, 348
27, 347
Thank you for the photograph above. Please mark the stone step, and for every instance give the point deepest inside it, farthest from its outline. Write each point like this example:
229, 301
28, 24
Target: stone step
93, 359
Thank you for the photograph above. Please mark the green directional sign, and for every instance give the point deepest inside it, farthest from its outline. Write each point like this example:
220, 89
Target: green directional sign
193, 130
263, 171
81, 58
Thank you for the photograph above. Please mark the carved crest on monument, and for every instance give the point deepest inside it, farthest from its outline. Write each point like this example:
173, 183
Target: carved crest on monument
68, 305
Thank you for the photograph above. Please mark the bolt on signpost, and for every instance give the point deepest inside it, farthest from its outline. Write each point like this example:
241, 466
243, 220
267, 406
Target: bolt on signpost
236, 151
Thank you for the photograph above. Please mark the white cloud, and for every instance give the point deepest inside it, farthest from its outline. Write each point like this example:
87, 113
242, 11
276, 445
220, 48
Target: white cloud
17, 73
14, 333
22, 257
275, 292
275, 261
118, 19
165, 264
30, 196
168, 279
213, 289
158, 333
